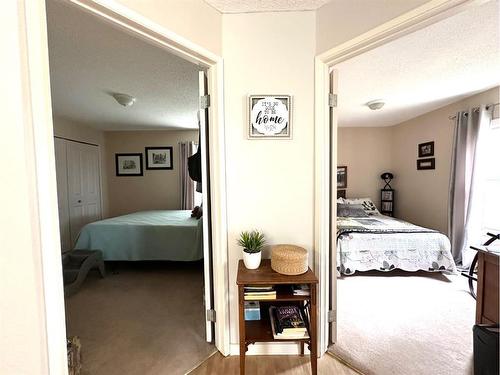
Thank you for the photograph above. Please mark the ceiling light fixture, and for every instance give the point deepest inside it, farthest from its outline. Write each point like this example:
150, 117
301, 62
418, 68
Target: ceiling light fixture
375, 104
124, 99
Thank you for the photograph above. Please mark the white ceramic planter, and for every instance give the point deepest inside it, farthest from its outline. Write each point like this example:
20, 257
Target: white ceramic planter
252, 260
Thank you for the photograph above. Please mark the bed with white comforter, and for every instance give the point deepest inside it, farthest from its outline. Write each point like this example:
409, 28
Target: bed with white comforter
378, 242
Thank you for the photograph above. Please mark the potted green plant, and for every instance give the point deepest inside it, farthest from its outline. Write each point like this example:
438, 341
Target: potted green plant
252, 244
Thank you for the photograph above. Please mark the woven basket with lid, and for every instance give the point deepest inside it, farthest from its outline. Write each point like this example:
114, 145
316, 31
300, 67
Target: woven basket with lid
289, 259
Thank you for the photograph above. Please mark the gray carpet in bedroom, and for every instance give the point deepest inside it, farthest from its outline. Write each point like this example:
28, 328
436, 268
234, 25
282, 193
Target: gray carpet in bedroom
146, 319
405, 323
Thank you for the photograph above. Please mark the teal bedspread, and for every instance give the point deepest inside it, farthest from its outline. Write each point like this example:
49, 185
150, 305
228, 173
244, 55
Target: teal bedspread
146, 235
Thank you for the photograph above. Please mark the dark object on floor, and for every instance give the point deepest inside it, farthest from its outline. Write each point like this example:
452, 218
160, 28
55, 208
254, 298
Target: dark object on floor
486, 349
76, 266
74, 347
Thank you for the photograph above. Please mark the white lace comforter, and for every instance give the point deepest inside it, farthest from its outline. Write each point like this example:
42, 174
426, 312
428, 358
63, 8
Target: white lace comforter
384, 243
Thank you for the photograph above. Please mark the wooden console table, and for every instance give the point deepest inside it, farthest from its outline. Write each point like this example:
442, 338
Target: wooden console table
253, 331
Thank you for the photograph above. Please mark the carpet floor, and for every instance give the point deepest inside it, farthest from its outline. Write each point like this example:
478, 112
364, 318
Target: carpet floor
405, 323
141, 319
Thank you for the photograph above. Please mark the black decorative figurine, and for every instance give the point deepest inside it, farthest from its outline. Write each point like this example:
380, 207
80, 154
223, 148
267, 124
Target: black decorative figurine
387, 177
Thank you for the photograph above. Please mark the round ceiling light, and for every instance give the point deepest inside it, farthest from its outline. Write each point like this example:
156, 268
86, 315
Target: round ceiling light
375, 104
124, 99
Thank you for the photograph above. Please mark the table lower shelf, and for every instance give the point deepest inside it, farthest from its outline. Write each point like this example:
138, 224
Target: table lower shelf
261, 330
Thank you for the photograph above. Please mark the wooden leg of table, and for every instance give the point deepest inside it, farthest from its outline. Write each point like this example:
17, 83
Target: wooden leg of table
302, 348
241, 299
314, 328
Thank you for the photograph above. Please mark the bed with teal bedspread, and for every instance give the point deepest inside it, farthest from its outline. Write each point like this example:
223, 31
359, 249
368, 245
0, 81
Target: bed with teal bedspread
146, 235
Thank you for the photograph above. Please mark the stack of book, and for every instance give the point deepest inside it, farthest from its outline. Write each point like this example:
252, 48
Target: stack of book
288, 323
301, 290
260, 292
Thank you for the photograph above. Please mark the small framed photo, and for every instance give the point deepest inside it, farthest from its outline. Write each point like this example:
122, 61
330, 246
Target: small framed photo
128, 164
342, 177
386, 206
387, 195
429, 163
159, 158
426, 149
269, 116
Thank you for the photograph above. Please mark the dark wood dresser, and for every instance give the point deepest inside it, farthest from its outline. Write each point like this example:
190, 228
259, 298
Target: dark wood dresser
487, 287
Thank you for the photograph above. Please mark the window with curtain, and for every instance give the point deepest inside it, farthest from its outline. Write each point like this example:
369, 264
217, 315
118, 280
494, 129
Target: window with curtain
197, 196
490, 210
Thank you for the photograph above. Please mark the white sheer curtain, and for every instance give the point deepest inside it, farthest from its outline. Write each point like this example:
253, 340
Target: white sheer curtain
187, 185
467, 171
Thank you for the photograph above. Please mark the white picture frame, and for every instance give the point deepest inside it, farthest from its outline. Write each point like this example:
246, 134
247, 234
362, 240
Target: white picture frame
269, 117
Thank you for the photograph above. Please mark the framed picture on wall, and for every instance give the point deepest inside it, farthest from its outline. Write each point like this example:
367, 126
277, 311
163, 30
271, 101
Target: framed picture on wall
426, 149
128, 164
429, 163
341, 177
270, 116
159, 158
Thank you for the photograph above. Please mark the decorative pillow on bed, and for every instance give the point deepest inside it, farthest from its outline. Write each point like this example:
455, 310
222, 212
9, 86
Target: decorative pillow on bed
350, 210
367, 204
340, 200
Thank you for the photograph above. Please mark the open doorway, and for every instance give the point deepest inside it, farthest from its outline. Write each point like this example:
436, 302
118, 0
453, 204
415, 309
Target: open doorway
401, 305
127, 117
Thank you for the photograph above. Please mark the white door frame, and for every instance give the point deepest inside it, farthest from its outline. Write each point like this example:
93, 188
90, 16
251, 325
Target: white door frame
324, 137
32, 23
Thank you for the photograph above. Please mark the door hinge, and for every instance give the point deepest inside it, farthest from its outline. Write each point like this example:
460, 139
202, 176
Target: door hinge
332, 100
211, 315
205, 101
332, 316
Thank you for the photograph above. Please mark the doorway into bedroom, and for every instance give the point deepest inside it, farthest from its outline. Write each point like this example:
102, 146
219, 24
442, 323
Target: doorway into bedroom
130, 144
398, 293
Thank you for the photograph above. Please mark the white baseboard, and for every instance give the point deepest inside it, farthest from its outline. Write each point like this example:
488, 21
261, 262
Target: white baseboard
270, 348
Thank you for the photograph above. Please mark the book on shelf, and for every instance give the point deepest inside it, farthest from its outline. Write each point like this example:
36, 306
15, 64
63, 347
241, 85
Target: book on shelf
259, 292
301, 290
287, 323
258, 288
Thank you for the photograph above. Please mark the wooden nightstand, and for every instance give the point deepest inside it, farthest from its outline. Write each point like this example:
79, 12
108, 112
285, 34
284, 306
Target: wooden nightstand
260, 330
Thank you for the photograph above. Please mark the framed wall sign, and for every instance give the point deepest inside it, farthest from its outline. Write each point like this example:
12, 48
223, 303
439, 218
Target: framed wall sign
429, 163
270, 116
128, 164
341, 177
159, 158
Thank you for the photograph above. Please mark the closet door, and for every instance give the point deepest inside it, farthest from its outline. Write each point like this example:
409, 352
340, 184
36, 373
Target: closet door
84, 194
62, 193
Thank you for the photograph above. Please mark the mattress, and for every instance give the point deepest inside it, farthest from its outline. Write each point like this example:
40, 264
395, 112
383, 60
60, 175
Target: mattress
383, 243
147, 235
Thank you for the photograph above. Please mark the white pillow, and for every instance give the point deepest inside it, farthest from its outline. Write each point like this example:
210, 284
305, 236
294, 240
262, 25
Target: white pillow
341, 200
367, 204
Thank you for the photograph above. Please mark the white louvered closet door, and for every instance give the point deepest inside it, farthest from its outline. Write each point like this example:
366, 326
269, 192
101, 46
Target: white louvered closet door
84, 195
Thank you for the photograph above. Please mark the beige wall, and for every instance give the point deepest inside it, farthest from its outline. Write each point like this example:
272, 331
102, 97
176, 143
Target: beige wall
269, 182
158, 189
422, 196
367, 153
341, 20
194, 20
76, 131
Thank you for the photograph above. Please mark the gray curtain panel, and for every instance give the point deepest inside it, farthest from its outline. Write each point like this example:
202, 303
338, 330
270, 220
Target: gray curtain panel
187, 190
468, 128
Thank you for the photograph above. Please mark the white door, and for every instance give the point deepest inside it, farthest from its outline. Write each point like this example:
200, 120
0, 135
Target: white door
84, 194
333, 204
205, 172
62, 193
